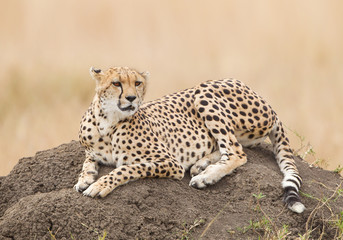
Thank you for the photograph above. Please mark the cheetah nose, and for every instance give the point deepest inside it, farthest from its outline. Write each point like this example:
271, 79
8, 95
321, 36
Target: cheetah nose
130, 98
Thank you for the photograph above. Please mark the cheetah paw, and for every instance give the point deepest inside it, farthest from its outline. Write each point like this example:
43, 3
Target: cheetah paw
196, 169
85, 181
201, 181
80, 186
97, 189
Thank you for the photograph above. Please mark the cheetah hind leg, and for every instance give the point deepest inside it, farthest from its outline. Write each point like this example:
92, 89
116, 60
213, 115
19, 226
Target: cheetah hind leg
202, 163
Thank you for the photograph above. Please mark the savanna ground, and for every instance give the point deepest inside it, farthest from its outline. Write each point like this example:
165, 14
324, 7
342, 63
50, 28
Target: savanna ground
289, 52
38, 202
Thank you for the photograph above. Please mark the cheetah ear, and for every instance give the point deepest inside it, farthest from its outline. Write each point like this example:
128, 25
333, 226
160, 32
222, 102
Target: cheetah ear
146, 75
96, 73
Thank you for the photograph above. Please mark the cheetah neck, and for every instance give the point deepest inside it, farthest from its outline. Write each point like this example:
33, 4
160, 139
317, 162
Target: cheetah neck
107, 115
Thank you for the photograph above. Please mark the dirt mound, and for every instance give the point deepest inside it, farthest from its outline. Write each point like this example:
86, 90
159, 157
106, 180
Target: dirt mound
37, 202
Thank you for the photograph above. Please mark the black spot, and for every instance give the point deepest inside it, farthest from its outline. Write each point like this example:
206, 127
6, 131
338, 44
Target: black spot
215, 107
209, 144
215, 130
209, 118
201, 110
251, 136
209, 95
198, 146
233, 106
204, 102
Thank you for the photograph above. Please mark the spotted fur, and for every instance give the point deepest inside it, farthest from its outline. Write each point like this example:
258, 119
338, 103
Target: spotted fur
202, 129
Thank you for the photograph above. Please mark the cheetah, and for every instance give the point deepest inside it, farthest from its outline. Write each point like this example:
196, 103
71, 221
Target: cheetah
202, 129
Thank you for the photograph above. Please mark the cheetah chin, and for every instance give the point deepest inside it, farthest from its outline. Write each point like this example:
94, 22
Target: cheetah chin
127, 109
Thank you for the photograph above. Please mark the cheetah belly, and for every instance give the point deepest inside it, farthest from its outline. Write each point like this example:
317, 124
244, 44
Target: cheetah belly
188, 150
245, 141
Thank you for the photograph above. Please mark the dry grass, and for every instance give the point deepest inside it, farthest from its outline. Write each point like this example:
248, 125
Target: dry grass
290, 52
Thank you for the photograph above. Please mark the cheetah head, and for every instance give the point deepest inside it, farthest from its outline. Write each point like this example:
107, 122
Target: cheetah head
120, 90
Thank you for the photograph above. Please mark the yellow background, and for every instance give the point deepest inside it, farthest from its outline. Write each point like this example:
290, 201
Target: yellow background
290, 52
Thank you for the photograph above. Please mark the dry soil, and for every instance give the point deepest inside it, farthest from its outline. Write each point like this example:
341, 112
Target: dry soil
37, 201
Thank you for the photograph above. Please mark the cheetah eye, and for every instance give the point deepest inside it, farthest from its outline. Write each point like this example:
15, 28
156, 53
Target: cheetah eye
117, 84
138, 83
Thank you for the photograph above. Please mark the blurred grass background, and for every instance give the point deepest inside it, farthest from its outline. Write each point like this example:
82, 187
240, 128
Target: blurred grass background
290, 52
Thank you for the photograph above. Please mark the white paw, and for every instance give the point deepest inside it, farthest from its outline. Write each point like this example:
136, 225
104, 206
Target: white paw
98, 189
80, 186
201, 181
196, 169
84, 182
93, 190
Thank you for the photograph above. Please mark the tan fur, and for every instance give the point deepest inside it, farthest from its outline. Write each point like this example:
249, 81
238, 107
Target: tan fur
202, 127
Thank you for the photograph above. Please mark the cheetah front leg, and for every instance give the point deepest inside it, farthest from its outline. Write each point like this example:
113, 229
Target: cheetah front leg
88, 174
122, 175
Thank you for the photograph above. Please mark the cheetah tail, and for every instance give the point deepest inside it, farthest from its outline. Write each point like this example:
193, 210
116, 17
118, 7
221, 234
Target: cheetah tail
285, 159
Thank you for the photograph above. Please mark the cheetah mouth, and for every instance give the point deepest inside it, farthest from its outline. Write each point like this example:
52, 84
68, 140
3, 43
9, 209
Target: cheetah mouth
126, 109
